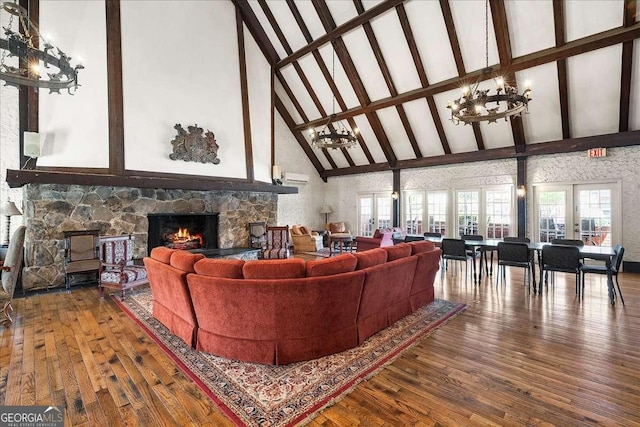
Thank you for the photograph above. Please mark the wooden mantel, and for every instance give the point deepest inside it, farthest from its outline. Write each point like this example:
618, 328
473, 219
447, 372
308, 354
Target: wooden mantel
18, 178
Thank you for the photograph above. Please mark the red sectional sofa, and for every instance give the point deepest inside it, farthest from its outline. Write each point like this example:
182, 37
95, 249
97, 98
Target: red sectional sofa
285, 311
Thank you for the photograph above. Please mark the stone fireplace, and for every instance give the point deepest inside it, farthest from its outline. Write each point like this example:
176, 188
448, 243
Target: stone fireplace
183, 231
50, 209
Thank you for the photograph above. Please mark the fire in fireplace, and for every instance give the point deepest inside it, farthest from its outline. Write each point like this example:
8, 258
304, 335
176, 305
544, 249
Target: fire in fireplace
183, 231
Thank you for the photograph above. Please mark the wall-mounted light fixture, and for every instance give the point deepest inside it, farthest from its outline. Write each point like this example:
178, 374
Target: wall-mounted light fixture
521, 191
395, 195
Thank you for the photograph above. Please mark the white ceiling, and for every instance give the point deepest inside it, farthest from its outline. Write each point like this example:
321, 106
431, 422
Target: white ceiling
593, 78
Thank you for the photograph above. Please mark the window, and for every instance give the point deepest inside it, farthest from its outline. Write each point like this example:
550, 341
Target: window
437, 209
468, 210
425, 212
498, 211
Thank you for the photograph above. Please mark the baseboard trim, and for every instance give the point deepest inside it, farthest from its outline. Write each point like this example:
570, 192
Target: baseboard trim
631, 267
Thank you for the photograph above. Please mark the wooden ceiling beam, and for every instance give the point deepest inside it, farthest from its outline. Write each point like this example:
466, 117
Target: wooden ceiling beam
298, 136
252, 23
341, 30
563, 90
373, 42
422, 75
453, 36
342, 53
627, 67
576, 47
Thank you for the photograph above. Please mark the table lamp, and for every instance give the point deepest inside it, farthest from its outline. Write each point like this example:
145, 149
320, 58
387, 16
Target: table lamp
8, 209
326, 210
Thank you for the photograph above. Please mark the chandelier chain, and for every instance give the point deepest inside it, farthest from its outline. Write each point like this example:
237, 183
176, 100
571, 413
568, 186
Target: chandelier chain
486, 33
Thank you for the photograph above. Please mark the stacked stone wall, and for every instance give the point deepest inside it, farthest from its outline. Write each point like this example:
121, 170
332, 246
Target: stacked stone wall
52, 209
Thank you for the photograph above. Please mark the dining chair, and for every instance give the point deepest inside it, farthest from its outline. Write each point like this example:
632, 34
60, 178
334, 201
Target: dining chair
514, 254
561, 258
478, 252
454, 250
413, 238
616, 262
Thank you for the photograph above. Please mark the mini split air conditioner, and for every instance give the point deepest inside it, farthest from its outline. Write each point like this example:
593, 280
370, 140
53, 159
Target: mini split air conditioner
296, 177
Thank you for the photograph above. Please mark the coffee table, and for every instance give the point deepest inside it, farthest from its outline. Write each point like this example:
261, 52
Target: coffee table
340, 240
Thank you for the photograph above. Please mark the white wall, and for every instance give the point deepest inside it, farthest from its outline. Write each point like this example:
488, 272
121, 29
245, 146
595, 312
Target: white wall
74, 130
302, 208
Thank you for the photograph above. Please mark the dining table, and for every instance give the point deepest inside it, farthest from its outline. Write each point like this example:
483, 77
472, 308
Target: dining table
599, 253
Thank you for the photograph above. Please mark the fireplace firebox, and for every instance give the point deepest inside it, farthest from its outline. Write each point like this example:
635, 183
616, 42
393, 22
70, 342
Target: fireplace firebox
183, 231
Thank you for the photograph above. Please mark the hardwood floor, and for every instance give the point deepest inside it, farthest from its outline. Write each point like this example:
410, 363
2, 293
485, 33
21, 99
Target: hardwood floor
512, 358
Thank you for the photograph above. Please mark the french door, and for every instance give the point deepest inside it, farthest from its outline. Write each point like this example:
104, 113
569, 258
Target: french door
587, 212
374, 211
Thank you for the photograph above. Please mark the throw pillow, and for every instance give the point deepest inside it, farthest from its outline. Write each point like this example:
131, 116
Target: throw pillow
162, 254
220, 267
274, 269
370, 258
398, 251
184, 260
326, 267
304, 230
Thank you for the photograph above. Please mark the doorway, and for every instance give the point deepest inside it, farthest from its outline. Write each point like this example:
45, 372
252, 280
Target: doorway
587, 212
374, 211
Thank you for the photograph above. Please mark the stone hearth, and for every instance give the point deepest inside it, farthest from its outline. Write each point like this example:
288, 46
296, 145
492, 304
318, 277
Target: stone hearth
51, 209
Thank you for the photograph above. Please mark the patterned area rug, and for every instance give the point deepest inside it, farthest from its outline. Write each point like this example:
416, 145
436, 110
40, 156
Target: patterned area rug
324, 252
263, 395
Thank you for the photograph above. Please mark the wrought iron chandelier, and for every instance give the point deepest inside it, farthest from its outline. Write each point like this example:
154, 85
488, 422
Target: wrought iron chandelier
333, 134
477, 105
22, 44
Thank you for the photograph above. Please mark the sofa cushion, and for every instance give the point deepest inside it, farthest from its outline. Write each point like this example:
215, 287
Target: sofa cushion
220, 267
421, 246
274, 269
370, 258
162, 254
184, 260
401, 250
340, 264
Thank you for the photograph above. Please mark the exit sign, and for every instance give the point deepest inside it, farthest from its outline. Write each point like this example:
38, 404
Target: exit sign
598, 152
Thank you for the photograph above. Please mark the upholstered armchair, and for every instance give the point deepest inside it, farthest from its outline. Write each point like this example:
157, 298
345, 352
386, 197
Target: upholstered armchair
380, 239
305, 240
119, 270
337, 228
11, 270
276, 245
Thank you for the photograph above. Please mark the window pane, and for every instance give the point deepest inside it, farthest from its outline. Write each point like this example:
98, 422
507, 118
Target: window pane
437, 209
468, 207
498, 213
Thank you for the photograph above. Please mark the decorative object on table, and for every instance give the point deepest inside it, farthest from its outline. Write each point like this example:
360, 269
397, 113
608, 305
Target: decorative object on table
8, 209
326, 210
253, 394
474, 105
334, 134
23, 45
11, 269
119, 270
194, 146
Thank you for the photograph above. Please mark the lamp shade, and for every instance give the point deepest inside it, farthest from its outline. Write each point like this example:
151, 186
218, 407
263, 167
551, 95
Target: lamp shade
9, 209
326, 209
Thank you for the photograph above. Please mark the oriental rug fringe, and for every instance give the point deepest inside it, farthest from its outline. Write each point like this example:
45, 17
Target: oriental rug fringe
260, 395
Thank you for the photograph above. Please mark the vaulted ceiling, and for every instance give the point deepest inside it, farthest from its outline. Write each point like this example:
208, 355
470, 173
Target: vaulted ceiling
390, 67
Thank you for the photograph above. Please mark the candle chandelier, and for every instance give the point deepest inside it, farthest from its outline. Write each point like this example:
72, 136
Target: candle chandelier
22, 44
333, 134
477, 105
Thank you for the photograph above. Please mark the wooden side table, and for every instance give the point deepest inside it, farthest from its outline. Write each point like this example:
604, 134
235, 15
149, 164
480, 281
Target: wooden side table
340, 240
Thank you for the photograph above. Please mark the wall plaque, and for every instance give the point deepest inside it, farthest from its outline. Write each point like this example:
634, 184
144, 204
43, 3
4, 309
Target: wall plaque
194, 145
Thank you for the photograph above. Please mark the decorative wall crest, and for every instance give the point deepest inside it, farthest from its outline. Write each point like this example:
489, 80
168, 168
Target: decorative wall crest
193, 146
